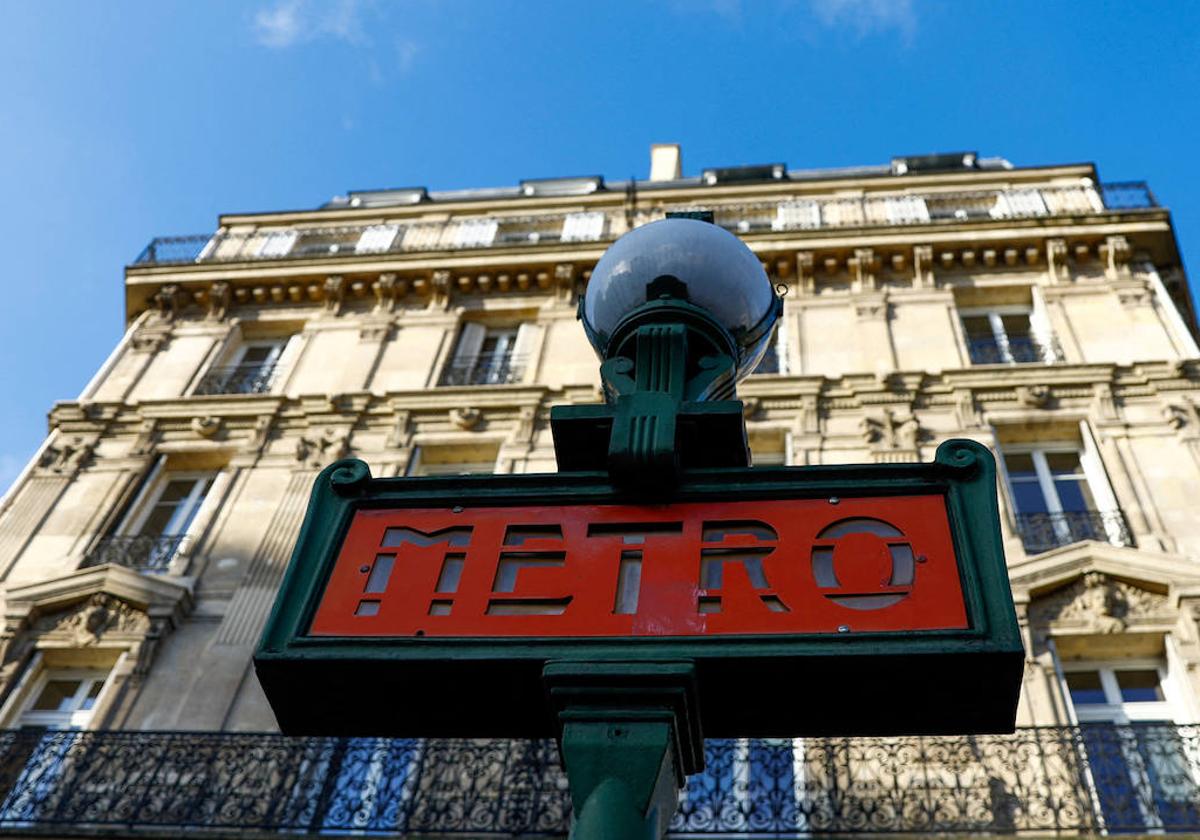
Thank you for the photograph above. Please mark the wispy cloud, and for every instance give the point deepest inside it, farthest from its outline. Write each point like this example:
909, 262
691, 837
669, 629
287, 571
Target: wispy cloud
866, 17
288, 23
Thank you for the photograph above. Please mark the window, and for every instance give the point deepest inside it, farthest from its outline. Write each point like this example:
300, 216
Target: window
1007, 335
583, 227
376, 238
1140, 771
476, 459
1061, 495
63, 699
488, 355
277, 244
256, 367
157, 526
797, 214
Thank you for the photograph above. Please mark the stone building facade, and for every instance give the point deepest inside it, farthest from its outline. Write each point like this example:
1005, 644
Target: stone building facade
1034, 309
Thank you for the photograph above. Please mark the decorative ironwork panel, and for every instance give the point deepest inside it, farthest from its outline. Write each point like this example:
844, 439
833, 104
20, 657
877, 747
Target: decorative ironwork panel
1018, 349
1044, 531
237, 379
484, 369
142, 552
1038, 781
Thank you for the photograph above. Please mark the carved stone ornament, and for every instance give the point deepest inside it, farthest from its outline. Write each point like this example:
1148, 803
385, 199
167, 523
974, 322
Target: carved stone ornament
1183, 413
319, 450
465, 418
1034, 396
750, 406
66, 457
220, 294
522, 432
1099, 604
170, 300
889, 431
86, 623
335, 292
206, 427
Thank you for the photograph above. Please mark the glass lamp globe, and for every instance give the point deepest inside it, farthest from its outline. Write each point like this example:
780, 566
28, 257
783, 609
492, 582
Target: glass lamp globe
722, 276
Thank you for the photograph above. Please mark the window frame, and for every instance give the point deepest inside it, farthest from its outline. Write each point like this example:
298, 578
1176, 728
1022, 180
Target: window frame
75, 718
995, 316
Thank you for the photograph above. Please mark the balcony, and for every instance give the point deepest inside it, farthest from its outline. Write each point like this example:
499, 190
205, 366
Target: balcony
1048, 781
141, 553
484, 369
238, 379
791, 214
1015, 350
1043, 531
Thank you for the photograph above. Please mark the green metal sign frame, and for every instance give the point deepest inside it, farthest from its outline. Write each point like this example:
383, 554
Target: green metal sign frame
930, 681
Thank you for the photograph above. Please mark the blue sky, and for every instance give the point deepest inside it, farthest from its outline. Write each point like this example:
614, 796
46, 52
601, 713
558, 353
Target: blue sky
120, 121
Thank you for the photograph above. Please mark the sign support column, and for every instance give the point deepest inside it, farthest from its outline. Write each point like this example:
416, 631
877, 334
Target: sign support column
629, 736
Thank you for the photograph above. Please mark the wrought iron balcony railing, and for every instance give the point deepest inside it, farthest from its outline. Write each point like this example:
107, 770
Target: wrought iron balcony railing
484, 369
143, 553
1044, 531
1016, 350
1060, 781
795, 213
237, 379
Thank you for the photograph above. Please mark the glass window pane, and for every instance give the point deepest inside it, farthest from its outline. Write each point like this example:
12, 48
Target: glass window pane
1020, 465
258, 354
93, 692
56, 696
1085, 688
176, 489
1015, 325
1139, 686
1064, 463
977, 326
1074, 495
1028, 497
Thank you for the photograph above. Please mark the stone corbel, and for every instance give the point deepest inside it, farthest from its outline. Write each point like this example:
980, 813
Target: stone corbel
1034, 396
147, 436
1056, 261
388, 288
335, 293
523, 431
1116, 254
465, 418
922, 261
400, 435
805, 264
564, 281
220, 294
170, 300
864, 265
1103, 402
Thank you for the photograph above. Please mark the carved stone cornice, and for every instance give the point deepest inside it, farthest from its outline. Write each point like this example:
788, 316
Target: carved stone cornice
66, 456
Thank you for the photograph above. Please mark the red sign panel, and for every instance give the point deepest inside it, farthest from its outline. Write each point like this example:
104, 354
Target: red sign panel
755, 567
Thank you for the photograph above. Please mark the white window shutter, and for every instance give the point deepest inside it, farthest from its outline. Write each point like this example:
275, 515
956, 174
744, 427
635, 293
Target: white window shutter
523, 350
470, 342
801, 213
1097, 479
139, 510
278, 243
582, 227
286, 362
906, 208
474, 233
376, 238
1039, 326
422, 237
1025, 203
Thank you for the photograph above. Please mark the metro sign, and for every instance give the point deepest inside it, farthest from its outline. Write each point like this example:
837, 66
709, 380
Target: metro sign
857, 599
